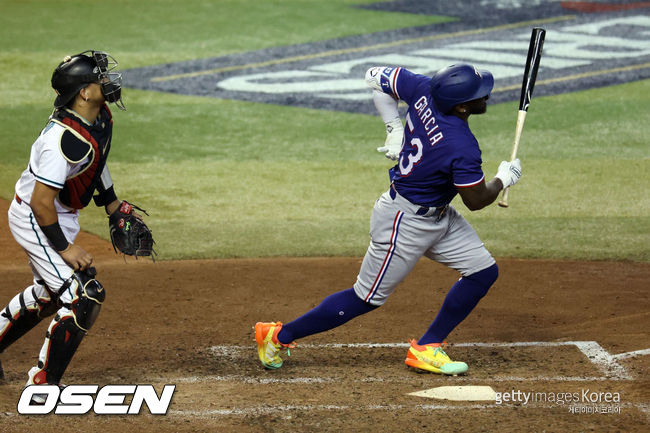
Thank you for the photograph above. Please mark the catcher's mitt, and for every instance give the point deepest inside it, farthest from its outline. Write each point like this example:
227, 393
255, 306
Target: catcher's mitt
129, 233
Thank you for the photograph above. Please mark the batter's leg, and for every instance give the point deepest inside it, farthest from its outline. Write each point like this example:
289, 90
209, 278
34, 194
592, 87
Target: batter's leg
334, 311
397, 243
460, 249
398, 240
459, 302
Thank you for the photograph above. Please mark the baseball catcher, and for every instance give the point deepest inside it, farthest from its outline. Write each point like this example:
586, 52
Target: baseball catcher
67, 170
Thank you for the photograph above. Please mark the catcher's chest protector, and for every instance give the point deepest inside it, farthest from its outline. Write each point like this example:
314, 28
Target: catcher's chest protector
78, 142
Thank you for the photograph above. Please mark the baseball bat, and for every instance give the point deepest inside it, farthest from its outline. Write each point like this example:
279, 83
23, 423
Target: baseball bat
527, 85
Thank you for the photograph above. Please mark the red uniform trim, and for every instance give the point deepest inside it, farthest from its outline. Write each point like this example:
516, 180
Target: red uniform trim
602, 7
389, 255
394, 83
79, 184
469, 185
77, 187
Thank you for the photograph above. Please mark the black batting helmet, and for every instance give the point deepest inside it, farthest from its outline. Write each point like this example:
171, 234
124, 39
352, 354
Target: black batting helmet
76, 72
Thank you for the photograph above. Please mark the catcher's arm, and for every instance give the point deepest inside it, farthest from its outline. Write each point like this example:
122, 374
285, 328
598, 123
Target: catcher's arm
112, 207
42, 204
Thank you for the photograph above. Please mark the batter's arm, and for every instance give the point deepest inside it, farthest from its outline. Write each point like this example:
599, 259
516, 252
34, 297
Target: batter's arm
386, 104
478, 196
387, 108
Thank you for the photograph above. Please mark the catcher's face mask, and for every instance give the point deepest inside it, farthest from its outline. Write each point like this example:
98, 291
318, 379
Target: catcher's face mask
110, 82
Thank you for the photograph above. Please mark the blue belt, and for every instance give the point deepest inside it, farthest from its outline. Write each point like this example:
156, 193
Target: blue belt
422, 210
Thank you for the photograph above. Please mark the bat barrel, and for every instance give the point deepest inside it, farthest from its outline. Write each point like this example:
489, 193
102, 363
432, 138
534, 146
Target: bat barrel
532, 65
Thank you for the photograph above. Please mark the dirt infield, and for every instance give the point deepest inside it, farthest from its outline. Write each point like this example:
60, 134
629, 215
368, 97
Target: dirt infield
546, 327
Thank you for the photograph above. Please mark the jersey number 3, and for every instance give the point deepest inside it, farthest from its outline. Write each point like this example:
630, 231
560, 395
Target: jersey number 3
408, 160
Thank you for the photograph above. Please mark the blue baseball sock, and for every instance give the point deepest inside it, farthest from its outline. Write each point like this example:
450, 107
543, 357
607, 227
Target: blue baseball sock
460, 301
334, 311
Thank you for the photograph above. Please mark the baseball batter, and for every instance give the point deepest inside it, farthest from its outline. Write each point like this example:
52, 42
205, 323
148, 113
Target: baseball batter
437, 157
67, 168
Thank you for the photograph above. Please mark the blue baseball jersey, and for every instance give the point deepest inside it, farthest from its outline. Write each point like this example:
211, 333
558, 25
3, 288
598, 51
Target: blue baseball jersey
439, 153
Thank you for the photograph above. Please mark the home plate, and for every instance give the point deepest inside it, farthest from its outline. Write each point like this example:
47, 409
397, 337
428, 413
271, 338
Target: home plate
458, 393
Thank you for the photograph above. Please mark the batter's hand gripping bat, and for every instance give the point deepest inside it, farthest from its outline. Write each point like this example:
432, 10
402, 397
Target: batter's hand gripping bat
530, 75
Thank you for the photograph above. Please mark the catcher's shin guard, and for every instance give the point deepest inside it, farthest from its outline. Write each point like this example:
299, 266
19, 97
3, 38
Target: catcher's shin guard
25, 311
70, 325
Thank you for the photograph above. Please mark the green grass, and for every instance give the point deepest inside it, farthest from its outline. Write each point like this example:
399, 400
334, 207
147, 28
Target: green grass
263, 210
39, 34
238, 179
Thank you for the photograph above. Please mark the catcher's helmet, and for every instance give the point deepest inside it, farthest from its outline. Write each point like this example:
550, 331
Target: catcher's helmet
459, 83
76, 72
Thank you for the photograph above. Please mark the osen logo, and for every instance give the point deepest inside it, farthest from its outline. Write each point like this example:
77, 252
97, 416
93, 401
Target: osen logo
80, 399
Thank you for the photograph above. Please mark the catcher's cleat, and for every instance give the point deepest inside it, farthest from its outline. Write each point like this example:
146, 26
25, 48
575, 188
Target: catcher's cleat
431, 358
37, 376
268, 346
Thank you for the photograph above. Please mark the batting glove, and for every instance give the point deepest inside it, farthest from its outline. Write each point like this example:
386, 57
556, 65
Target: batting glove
509, 172
394, 136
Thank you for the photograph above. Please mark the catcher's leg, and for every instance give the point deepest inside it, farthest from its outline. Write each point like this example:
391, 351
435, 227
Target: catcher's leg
24, 312
81, 298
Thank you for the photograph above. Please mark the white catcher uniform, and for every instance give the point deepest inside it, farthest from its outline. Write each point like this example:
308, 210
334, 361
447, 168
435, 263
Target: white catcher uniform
70, 155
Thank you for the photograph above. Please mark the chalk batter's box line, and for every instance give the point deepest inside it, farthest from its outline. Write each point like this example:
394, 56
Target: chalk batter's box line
606, 362
257, 380
274, 410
